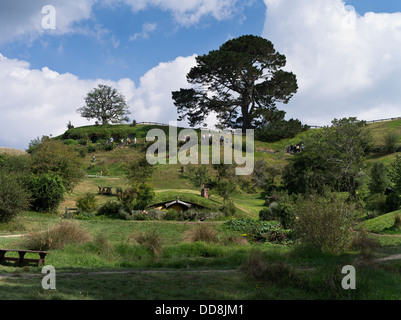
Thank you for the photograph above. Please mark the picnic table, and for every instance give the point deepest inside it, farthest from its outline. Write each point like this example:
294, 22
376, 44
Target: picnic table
105, 190
21, 259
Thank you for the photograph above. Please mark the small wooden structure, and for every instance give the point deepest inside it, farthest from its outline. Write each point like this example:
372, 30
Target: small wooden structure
21, 260
105, 190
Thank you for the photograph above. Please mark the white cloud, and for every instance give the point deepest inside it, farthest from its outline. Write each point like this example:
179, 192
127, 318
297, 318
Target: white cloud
41, 102
152, 99
187, 12
22, 19
147, 28
346, 64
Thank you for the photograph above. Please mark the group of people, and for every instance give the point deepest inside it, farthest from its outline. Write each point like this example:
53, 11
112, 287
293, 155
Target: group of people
127, 142
210, 137
295, 148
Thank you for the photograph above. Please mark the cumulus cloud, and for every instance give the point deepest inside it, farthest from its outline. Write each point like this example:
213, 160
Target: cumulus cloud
41, 102
346, 64
22, 19
152, 100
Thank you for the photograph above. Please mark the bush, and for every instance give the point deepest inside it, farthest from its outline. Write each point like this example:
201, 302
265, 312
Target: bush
324, 224
393, 202
66, 232
13, 198
260, 231
110, 209
47, 191
391, 142
173, 215
280, 212
87, 203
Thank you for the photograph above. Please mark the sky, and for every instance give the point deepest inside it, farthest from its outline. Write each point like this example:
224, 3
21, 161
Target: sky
345, 55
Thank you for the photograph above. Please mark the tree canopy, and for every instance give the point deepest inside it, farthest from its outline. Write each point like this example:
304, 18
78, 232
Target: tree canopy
105, 104
239, 82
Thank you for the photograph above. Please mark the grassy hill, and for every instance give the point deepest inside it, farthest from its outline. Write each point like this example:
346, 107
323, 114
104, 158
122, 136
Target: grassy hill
113, 266
169, 177
11, 151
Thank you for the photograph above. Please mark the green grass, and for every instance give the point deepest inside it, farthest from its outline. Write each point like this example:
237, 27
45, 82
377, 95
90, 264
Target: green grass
382, 224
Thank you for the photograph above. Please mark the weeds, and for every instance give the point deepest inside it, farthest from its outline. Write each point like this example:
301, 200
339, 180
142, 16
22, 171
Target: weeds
66, 232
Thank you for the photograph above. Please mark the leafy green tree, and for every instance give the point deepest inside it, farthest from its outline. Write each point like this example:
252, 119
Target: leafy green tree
334, 156
395, 173
139, 171
13, 197
274, 127
105, 104
47, 191
54, 157
239, 82
379, 179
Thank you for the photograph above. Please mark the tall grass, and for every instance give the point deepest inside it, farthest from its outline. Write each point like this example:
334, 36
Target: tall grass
66, 232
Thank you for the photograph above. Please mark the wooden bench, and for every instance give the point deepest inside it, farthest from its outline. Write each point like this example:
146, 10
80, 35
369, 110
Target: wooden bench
21, 260
105, 190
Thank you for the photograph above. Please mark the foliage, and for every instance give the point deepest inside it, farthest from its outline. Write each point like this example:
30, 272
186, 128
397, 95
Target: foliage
238, 82
395, 173
105, 104
47, 191
87, 202
256, 230
13, 197
199, 175
391, 139
335, 157
379, 180
110, 209
264, 175
139, 171
274, 127
54, 157
324, 223
279, 211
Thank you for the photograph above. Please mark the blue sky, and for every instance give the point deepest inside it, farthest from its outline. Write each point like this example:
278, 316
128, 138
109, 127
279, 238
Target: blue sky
346, 63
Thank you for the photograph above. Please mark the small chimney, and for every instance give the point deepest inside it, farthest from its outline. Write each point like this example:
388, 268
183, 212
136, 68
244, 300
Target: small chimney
205, 193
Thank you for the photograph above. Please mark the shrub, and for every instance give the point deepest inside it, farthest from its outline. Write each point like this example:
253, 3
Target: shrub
391, 142
173, 215
365, 244
110, 209
324, 224
260, 231
13, 198
66, 232
378, 178
393, 202
87, 203
47, 191
282, 212
202, 233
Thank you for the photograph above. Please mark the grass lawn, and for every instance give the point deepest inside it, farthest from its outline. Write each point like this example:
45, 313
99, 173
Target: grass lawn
113, 268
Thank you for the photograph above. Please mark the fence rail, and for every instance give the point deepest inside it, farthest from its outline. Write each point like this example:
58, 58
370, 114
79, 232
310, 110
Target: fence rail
369, 121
